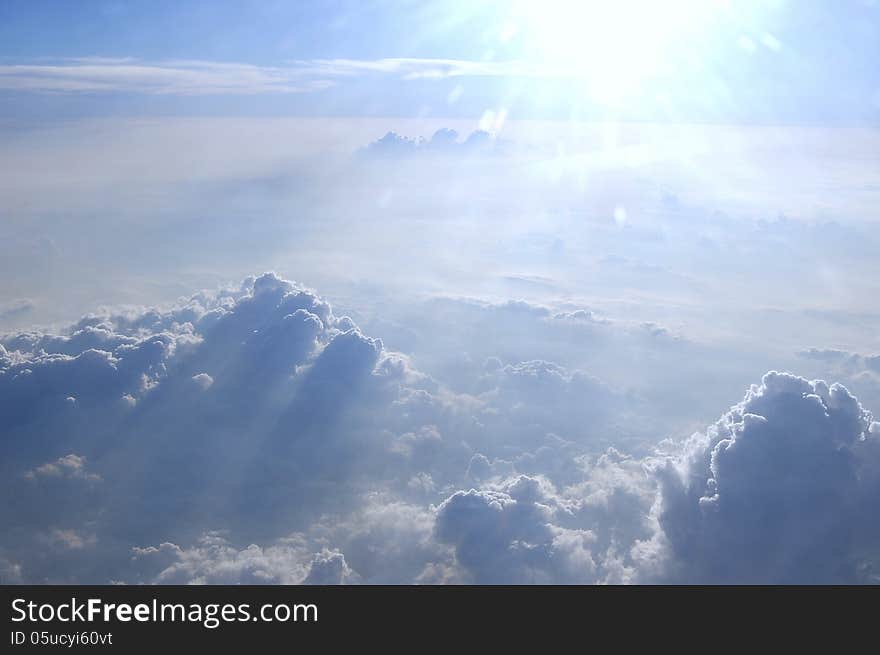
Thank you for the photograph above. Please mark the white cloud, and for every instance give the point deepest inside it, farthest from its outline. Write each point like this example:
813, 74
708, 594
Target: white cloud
72, 539
782, 489
70, 466
197, 77
203, 380
329, 568
213, 560
507, 534
201, 77
157, 78
444, 142
245, 399
268, 439
415, 68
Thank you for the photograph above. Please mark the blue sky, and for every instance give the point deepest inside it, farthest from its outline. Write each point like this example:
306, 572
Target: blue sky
750, 61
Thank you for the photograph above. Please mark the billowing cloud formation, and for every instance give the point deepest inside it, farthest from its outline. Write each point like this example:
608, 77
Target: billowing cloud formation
253, 435
247, 406
510, 535
782, 489
214, 561
860, 372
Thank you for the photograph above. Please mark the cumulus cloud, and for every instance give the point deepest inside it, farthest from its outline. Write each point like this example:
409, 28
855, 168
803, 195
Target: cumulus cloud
507, 534
781, 489
252, 434
329, 568
444, 141
254, 410
523, 528
213, 560
203, 380
860, 372
69, 466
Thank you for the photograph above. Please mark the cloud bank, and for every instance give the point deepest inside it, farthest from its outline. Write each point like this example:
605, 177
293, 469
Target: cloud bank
253, 435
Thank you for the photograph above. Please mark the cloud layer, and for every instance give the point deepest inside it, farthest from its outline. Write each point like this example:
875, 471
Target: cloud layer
198, 78
253, 435
195, 78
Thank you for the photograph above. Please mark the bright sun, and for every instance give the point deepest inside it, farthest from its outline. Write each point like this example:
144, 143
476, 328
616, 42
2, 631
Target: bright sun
612, 46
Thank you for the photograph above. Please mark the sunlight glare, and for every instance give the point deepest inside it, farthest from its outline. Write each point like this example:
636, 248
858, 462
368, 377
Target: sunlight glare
613, 46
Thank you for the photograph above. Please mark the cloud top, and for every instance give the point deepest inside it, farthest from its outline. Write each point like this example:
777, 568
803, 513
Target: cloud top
253, 435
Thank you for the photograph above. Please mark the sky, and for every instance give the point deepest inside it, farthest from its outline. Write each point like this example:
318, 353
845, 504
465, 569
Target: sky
750, 61
440, 292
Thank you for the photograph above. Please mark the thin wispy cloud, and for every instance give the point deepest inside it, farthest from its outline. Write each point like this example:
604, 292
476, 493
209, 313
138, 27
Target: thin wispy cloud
197, 77
159, 78
415, 68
